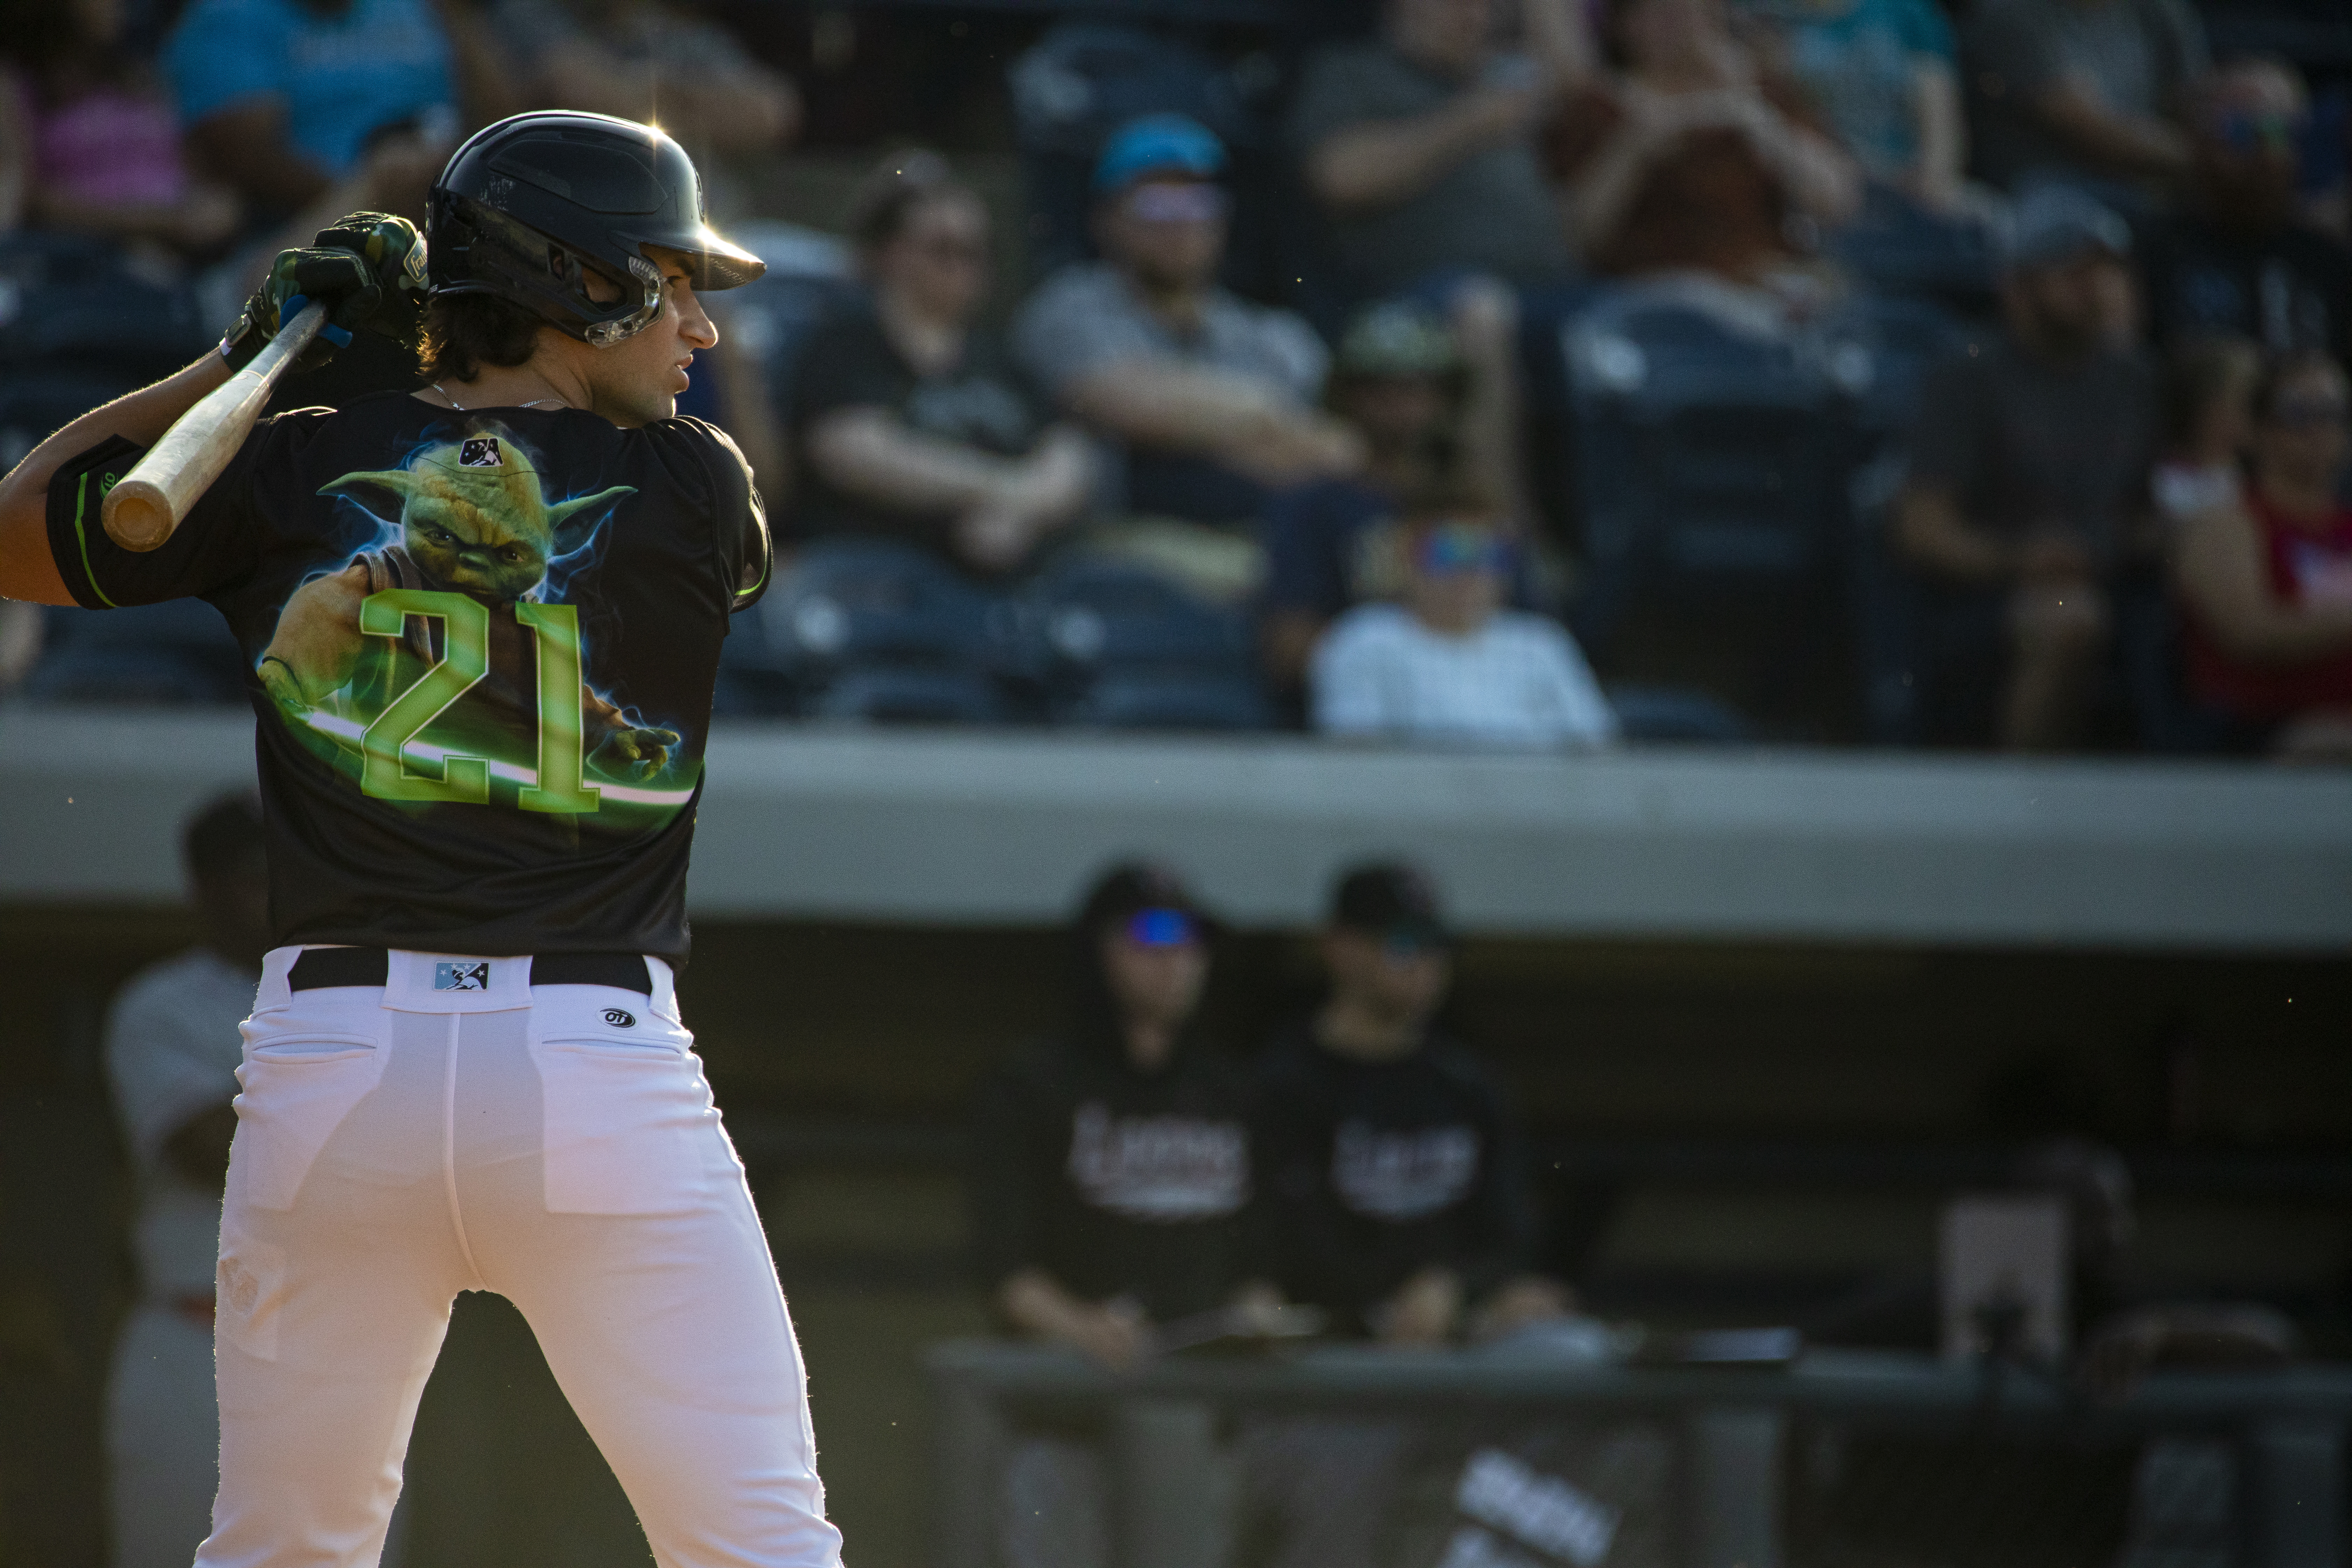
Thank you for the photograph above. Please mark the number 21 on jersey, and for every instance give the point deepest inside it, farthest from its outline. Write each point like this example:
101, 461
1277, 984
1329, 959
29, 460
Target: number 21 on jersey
464, 659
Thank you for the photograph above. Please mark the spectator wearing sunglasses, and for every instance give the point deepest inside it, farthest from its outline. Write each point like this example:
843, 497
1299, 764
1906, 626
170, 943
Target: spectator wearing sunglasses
2237, 260
1396, 1199
2268, 583
1449, 665
911, 420
1211, 398
1395, 1175
1110, 1178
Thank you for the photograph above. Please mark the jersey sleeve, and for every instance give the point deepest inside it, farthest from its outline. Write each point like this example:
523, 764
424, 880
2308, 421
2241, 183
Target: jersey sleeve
744, 557
217, 543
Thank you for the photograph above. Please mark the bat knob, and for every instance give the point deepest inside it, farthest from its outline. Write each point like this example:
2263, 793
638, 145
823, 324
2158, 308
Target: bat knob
137, 516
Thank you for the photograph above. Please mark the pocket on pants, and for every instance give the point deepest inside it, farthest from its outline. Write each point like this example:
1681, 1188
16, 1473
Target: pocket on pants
629, 1126
304, 1070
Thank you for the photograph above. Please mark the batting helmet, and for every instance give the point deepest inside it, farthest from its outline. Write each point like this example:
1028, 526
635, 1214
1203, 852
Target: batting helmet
528, 206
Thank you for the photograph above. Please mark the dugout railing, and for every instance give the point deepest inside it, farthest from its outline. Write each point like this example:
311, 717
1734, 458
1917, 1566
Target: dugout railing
1162, 1433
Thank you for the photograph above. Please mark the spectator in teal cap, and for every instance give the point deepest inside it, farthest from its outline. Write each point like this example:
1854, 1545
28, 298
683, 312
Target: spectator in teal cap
1211, 399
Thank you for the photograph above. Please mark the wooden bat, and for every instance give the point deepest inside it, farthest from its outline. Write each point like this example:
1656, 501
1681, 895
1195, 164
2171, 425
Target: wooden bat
151, 501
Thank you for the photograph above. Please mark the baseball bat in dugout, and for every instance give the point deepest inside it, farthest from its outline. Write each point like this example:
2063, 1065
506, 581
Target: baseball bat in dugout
153, 500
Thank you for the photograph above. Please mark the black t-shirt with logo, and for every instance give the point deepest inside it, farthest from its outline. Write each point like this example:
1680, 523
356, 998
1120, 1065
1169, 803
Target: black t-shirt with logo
1375, 1171
1113, 1181
481, 647
980, 401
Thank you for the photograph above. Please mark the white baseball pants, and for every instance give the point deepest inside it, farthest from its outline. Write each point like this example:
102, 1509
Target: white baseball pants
555, 1145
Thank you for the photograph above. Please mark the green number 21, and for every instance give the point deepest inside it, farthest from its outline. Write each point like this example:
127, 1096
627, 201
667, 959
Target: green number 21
466, 658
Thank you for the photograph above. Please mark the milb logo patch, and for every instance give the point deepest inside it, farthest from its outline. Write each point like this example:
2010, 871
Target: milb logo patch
480, 452
461, 977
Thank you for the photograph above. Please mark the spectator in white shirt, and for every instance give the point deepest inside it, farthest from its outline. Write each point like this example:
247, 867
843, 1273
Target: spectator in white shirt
1451, 665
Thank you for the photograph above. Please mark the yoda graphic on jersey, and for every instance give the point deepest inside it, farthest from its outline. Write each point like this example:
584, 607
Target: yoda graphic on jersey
440, 663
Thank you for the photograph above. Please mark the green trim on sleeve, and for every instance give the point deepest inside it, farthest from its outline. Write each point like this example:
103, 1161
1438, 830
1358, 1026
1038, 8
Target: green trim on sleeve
81, 537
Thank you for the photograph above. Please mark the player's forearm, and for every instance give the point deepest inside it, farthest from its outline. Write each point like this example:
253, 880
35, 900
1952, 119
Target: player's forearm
26, 572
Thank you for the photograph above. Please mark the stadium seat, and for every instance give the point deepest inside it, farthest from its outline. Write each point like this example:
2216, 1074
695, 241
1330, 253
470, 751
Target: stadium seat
873, 629
1710, 466
68, 302
172, 654
1898, 247
1877, 348
1667, 713
1120, 647
809, 277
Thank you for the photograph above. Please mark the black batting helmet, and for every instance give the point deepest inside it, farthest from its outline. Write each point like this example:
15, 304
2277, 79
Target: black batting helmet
527, 204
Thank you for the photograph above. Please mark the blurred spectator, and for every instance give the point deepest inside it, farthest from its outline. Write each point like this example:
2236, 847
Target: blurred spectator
1397, 1198
1110, 1182
2236, 259
281, 98
1211, 397
2082, 92
20, 642
1432, 419
2208, 392
1421, 144
1110, 1175
98, 144
1883, 76
912, 420
1395, 1175
643, 59
2028, 463
172, 1048
2268, 583
1691, 157
1450, 663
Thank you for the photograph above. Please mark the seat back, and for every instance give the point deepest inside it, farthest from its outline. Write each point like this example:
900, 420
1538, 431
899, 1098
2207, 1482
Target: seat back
177, 652
1117, 645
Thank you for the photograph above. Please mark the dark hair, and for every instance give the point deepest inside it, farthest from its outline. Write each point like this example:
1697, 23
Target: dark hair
2283, 368
2198, 370
886, 198
224, 838
463, 333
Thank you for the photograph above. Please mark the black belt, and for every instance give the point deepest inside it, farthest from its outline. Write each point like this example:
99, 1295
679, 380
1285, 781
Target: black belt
321, 968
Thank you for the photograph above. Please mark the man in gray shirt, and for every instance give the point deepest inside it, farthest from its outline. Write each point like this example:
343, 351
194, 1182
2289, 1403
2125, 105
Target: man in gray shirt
1420, 144
2085, 91
1212, 398
2029, 463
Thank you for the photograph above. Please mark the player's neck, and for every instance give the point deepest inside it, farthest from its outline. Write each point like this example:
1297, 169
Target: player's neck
542, 380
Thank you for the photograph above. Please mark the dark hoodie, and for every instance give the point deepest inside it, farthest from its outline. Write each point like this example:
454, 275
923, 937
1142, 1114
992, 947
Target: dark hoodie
1112, 1180
1375, 1171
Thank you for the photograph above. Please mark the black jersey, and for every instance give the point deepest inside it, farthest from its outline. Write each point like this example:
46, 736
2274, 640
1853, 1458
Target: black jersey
1114, 1181
481, 647
1375, 1171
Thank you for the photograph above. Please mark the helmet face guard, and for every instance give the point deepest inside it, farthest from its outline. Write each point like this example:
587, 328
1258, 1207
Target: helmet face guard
528, 207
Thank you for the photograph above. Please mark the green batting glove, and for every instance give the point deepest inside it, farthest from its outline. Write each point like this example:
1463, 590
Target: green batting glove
369, 270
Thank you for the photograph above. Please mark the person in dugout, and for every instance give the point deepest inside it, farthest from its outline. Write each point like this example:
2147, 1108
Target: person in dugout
1110, 1184
1394, 1196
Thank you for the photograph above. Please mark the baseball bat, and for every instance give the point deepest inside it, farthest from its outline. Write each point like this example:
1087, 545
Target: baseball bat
151, 501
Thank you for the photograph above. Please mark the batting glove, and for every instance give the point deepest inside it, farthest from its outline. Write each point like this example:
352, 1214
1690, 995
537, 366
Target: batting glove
368, 269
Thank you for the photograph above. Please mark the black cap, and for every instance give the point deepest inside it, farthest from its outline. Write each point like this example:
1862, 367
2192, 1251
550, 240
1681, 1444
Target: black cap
1133, 886
1388, 898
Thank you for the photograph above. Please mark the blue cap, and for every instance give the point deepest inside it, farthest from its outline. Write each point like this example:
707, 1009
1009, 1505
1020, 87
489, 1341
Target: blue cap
1155, 144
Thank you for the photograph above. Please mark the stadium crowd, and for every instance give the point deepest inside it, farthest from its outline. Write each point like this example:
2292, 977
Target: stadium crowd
1530, 375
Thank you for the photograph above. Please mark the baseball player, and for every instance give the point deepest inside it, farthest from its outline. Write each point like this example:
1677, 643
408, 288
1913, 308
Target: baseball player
483, 622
